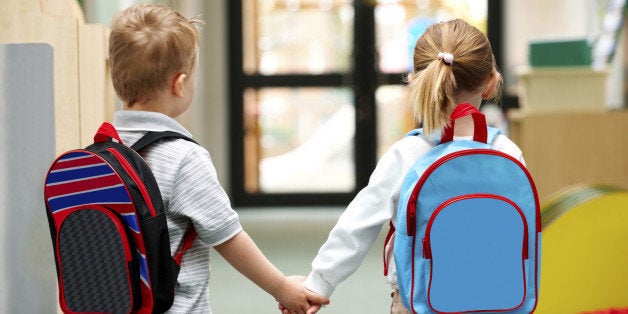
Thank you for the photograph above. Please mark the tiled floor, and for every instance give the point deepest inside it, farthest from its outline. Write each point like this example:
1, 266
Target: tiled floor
290, 239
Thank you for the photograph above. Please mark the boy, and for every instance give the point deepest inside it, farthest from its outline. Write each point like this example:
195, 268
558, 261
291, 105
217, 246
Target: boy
153, 55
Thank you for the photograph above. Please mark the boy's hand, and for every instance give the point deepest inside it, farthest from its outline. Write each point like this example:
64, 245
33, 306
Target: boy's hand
314, 308
295, 298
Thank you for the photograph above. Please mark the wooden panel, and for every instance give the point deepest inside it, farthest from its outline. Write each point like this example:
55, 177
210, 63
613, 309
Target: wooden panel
55, 8
92, 85
563, 149
84, 95
23, 22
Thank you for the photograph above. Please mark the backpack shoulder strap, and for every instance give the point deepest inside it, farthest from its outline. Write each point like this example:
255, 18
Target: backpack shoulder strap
186, 242
415, 132
152, 137
492, 134
434, 138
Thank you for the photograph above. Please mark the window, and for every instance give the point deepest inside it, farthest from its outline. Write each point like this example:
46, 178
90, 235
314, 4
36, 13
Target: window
317, 91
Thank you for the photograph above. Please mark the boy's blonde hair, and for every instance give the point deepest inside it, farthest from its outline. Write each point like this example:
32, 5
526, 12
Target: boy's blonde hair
149, 44
435, 82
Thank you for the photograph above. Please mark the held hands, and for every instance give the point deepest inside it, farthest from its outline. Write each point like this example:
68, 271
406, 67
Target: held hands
295, 298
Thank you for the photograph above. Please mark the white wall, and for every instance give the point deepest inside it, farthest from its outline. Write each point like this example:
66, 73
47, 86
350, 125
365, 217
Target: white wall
527, 20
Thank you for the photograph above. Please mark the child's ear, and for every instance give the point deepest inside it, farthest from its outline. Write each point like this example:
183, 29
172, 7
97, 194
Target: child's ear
177, 84
491, 85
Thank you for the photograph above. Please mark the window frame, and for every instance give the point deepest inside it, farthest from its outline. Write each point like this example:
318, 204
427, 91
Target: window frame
362, 79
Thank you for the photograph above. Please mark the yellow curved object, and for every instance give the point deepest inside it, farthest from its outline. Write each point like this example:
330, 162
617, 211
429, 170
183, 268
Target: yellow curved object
584, 263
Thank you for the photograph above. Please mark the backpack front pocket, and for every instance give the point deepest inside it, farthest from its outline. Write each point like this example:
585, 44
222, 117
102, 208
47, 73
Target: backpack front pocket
97, 262
477, 245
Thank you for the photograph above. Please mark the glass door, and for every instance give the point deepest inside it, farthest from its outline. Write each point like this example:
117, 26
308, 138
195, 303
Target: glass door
318, 92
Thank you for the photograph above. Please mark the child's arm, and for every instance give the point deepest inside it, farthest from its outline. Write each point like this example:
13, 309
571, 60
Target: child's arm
242, 253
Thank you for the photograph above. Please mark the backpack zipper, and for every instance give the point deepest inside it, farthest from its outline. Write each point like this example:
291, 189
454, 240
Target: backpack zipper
411, 208
427, 250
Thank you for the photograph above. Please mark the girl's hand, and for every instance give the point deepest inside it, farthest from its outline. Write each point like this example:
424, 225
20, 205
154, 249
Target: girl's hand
295, 298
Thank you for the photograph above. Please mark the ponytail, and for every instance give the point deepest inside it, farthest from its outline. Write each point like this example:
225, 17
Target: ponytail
432, 93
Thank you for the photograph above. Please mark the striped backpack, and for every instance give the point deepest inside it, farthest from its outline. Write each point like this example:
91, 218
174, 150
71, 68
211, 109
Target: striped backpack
108, 228
468, 228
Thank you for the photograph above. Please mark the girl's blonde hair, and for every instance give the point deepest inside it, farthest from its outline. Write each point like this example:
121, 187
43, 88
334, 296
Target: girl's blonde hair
435, 82
149, 44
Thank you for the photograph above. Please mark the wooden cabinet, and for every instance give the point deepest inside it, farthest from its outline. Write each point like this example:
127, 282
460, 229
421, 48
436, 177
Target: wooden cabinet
564, 149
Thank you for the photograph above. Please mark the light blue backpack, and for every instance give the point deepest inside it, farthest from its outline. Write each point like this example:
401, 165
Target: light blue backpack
468, 229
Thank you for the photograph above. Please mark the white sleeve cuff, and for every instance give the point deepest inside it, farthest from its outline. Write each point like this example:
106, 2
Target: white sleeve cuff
316, 283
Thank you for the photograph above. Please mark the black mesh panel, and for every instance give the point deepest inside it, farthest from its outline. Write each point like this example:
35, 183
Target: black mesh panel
93, 264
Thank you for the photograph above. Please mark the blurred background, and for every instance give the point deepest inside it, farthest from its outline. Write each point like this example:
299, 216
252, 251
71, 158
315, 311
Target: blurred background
296, 100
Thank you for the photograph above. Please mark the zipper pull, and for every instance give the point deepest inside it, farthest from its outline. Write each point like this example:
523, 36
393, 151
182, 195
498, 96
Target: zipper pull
411, 223
411, 216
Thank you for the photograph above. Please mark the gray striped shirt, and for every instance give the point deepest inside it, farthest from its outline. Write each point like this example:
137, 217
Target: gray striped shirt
191, 193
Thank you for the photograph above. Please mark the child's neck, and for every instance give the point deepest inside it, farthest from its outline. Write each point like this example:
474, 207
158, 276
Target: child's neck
159, 104
464, 126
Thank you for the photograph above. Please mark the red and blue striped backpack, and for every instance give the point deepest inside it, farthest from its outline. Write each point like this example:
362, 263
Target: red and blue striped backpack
468, 228
108, 228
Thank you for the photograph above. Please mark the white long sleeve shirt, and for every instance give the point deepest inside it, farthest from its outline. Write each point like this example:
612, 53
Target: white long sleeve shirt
374, 206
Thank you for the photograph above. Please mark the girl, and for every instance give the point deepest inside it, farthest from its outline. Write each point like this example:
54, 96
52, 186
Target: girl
453, 64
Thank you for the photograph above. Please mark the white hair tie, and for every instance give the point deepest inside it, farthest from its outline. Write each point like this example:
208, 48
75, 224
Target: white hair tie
447, 57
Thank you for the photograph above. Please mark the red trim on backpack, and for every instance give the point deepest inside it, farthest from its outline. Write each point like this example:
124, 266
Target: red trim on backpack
147, 296
391, 231
411, 207
412, 286
127, 252
427, 250
136, 178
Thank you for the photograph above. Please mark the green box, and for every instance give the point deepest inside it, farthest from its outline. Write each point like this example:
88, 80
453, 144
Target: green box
560, 53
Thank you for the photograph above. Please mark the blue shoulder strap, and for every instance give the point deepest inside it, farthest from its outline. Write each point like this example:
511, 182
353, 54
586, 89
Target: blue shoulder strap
492, 133
415, 132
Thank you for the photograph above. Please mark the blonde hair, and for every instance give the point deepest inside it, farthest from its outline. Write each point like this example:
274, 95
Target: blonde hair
149, 44
435, 82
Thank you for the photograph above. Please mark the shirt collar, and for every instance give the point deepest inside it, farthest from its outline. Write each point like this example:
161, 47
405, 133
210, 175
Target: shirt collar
134, 120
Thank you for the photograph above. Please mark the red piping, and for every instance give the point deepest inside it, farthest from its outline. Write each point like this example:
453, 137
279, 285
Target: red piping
427, 251
127, 252
127, 167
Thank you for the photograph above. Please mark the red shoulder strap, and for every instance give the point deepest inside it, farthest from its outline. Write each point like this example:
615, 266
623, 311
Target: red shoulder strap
480, 131
186, 243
